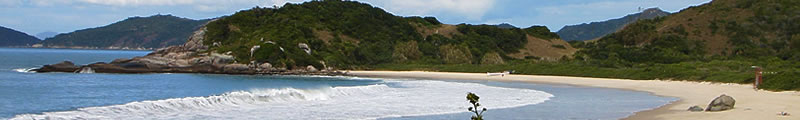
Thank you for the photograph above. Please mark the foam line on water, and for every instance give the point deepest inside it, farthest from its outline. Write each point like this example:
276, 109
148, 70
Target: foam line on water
393, 99
24, 70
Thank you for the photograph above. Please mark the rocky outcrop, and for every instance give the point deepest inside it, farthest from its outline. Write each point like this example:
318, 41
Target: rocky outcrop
492, 58
65, 66
696, 108
192, 57
721, 103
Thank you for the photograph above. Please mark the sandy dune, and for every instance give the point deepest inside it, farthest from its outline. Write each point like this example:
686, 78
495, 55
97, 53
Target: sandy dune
750, 104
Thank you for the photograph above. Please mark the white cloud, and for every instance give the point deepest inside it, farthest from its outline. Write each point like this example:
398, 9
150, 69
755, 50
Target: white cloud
471, 9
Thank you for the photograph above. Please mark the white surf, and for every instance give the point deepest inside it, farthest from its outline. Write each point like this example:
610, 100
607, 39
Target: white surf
24, 70
393, 99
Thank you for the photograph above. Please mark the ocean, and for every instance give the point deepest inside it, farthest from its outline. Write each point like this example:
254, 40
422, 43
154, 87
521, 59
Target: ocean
26, 95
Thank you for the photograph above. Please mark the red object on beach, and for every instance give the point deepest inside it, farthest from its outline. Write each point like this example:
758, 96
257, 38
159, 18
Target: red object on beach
758, 80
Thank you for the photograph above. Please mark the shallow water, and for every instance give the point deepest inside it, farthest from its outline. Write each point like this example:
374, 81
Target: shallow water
204, 96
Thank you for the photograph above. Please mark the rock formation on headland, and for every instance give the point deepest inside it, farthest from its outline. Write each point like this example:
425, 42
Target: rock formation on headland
322, 35
187, 58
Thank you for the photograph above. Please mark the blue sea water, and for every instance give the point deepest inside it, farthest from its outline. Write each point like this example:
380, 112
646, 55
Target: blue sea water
25, 95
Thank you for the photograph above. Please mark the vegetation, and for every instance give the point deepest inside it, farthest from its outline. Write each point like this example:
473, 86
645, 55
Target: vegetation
541, 32
723, 71
473, 99
352, 35
136, 32
764, 38
676, 48
10, 37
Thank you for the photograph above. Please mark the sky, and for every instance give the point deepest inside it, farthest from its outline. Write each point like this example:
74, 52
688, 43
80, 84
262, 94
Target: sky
62, 16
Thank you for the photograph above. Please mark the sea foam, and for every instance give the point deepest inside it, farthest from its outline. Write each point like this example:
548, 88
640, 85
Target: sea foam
389, 99
24, 70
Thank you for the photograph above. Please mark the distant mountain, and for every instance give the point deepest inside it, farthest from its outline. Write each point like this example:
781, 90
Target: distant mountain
10, 37
133, 33
596, 30
45, 35
736, 29
505, 25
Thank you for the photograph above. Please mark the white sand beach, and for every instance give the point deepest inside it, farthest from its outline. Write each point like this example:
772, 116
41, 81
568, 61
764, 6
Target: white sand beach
750, 104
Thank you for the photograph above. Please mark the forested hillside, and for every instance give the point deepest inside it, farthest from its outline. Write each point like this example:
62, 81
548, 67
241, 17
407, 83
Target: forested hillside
718, 41
133, 33
348, 34
10, 37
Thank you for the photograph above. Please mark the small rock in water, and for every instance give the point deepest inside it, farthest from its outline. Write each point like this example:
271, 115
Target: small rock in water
696, 108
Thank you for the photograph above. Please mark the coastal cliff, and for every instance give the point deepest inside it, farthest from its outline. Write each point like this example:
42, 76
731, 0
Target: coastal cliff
190, 57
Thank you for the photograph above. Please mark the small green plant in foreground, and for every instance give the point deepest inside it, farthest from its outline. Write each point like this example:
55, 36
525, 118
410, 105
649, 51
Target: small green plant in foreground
473, 99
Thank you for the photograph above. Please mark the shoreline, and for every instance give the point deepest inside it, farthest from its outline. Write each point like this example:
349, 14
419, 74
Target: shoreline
751, 104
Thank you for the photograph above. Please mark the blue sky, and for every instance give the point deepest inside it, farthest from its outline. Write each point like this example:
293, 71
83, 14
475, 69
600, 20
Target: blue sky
35, 16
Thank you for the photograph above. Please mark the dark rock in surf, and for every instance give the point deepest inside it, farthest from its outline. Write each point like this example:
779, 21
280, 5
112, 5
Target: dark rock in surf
65, 66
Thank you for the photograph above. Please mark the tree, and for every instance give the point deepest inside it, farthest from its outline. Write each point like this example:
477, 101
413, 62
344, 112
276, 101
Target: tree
473, 99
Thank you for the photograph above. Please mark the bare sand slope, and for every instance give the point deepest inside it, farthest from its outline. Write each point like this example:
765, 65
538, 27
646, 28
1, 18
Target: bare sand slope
750, 104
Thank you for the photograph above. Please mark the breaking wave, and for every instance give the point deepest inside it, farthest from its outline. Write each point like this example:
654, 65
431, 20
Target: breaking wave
24, 70
391, 99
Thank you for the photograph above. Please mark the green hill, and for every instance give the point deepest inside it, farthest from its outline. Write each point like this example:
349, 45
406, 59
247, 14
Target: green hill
724, 28
10, 37
136, 32
717, 41
348, 34
594, 30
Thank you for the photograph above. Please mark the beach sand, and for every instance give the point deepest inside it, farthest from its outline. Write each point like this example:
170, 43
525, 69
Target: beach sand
750, 104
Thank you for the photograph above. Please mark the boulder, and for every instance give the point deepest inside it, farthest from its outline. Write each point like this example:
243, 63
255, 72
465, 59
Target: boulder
265, 66
161, 61
195, 42
205, 60
179, 63
65, 66
121, 60
311, 69
235, 68
304, 47
101, 67
221, 58
132, 65
696, 108
179, 55
721, 103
